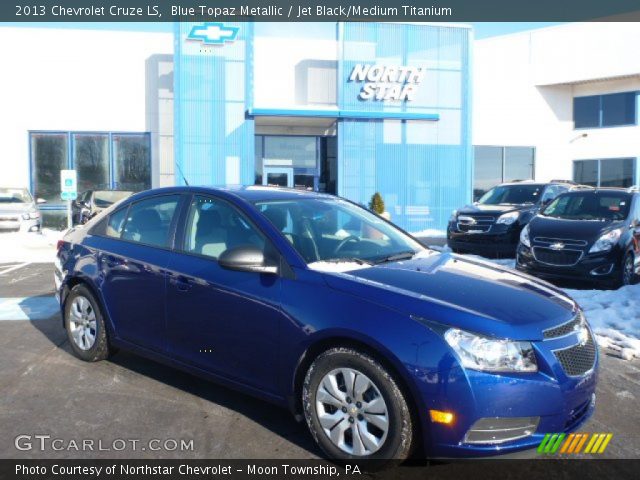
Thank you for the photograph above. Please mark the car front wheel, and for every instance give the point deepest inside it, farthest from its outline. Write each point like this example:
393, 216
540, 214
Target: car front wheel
85, 327
628, 273
355, 409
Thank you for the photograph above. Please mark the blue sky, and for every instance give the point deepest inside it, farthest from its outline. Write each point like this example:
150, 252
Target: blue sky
481, 29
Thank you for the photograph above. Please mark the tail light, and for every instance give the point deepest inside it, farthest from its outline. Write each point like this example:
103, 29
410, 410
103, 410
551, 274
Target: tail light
59, 245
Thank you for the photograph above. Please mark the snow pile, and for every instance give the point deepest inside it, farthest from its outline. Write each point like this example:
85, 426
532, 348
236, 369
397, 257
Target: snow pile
431, 233
337, 267
29, 247
614, 316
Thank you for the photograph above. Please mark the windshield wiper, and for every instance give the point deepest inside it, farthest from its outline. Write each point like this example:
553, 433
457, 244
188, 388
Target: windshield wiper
397, 256
359, 261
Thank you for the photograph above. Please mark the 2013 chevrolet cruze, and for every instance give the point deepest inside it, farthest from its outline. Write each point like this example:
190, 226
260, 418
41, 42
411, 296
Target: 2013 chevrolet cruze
312, 302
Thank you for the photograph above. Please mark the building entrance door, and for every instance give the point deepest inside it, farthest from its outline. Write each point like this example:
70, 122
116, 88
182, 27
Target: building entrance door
277, 176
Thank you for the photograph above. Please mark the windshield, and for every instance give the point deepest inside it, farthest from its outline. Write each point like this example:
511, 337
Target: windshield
333, 230
15, 195
106, 198
604, 206
512, 195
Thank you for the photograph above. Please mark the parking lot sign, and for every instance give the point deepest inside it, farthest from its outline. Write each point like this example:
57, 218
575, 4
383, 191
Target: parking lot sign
68, 190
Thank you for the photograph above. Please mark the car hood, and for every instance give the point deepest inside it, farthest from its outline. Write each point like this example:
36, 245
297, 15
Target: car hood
16, 207
479, 209
587, 230
470, 294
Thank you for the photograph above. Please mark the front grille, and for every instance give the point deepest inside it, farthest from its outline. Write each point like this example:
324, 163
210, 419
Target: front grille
547, 241
565, 328
578, 359
558, 258
475, 223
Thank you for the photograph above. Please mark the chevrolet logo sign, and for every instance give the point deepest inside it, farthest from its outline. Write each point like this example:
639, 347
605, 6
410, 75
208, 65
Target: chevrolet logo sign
557, 246
466, 220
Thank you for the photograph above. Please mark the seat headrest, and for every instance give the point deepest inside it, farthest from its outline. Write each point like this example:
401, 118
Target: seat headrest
276, 216
147, 219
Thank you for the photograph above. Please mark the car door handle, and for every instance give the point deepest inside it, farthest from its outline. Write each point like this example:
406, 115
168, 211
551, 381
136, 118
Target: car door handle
181, 283
112, 261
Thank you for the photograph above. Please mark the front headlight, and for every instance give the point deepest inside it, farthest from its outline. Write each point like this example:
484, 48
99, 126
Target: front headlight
454, 216
491, 355
606, 241
31, 215
524, 237
508, 218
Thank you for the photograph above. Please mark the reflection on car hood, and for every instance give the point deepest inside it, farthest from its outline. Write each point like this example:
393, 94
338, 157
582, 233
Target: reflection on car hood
587, 230
13, 208
471, 294
489, 209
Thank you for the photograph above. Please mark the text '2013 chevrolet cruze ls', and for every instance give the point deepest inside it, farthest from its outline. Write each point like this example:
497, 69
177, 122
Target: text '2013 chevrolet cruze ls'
312, 302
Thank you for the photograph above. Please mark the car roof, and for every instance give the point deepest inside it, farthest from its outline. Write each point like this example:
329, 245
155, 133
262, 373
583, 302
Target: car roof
253, 193
595, 191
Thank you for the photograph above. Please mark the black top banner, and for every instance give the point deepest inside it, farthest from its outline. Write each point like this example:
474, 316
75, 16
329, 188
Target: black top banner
318, 10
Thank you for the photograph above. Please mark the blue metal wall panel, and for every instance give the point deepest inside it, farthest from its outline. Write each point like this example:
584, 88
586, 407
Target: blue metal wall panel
423, 169
213, 140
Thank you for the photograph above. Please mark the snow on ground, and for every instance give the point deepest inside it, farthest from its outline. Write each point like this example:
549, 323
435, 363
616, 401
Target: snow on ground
22, 247
430, 233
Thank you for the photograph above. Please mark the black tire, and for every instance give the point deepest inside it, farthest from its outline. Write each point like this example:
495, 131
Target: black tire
99, 350
627, 271
400, 436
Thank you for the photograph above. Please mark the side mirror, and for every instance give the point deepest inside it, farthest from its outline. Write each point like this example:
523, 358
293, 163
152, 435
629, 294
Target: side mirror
246, 259
40, 201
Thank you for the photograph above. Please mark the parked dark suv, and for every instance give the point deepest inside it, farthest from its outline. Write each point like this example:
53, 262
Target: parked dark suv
590, 235
492, 225
92, 202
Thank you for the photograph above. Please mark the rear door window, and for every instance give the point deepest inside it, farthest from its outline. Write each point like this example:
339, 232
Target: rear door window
149, 221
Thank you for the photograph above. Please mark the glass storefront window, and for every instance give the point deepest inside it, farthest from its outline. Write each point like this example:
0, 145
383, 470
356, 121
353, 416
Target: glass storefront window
488, 169
91, 155
132, 165
518, 163
297, 152
49, 155
91, 161
611, 110
613, 172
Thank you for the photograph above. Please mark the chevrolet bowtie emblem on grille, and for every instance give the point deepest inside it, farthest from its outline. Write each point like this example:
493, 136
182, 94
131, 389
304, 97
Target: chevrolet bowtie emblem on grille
467, 220
557, 246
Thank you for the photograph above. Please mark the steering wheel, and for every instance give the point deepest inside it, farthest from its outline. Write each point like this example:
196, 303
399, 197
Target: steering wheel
344, 241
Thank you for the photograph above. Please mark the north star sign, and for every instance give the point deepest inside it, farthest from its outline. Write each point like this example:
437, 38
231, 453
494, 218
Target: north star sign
383, 82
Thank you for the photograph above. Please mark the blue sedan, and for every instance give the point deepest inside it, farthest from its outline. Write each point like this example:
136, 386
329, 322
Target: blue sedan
314, 303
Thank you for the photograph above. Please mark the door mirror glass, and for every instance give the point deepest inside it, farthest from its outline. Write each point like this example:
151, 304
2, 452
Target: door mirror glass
246, 259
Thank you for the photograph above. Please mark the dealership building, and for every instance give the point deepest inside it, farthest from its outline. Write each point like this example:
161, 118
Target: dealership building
421, 113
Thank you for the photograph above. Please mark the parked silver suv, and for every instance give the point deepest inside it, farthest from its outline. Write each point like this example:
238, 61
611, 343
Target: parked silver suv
19, 211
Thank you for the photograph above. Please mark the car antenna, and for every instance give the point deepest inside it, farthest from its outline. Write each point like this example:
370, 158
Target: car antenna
184, 179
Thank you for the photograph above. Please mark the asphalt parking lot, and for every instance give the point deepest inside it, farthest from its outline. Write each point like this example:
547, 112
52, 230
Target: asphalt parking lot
45, 390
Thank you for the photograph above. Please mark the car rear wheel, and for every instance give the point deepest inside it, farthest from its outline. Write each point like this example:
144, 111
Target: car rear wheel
355, 409
84, 323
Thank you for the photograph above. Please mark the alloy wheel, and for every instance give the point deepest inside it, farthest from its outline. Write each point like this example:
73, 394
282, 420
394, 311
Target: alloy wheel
627, 271
82, 323
352, 412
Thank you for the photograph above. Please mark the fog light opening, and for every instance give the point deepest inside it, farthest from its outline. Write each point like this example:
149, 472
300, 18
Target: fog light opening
604, 270
438, 416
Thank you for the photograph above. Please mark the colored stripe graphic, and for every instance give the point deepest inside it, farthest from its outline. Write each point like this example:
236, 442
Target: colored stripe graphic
573, 443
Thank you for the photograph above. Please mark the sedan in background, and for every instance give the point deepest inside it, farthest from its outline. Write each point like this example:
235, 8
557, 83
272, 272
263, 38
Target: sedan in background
19, 211
92, 202
382, 345
589, 235
492, 226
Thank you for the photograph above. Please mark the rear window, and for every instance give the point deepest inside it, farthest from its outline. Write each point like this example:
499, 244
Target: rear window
149, 221
603, 206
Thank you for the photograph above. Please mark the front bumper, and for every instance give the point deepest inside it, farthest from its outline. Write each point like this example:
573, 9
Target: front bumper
19, 225
501, 240
597, 267
561, 402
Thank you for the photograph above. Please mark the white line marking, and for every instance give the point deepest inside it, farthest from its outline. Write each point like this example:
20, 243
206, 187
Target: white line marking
14, 267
